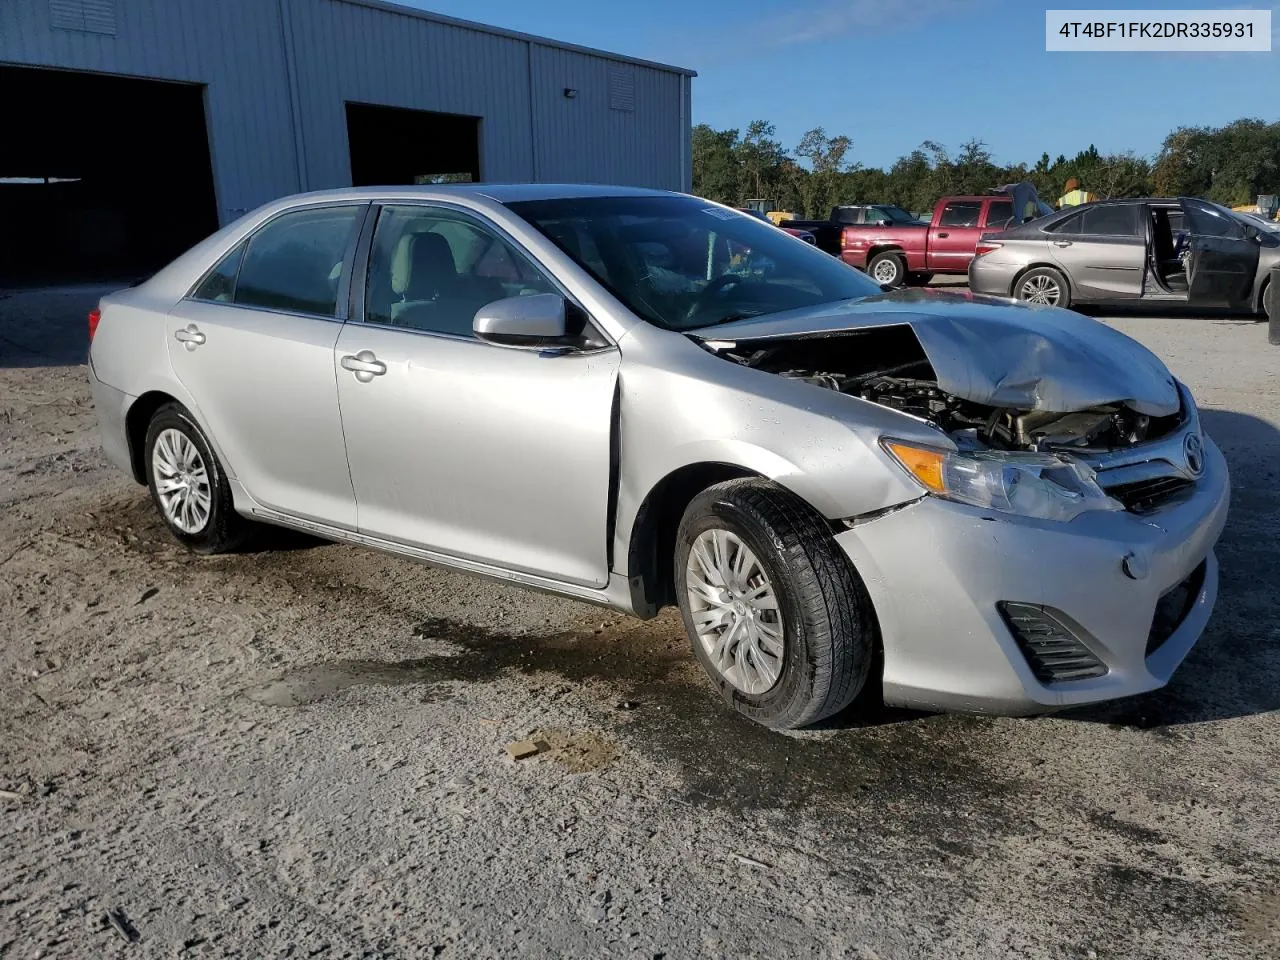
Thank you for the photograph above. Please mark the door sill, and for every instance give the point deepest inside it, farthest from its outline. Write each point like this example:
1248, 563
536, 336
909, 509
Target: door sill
616, 594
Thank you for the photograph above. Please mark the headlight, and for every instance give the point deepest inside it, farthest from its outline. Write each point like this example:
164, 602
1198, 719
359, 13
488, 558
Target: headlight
1047, 486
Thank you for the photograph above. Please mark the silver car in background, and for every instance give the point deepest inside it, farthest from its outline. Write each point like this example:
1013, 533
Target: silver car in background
1169, 251
638, 399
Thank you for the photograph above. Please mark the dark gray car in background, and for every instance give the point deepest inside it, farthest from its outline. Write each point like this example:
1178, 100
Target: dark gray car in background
1181, 250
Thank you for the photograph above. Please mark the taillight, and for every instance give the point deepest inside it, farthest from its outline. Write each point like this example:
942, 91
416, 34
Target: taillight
988, 246
94, 316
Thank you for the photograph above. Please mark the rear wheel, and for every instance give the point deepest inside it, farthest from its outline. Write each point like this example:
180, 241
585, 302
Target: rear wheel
1270, 300
888, 269
775, 613
188, 485
1043, 286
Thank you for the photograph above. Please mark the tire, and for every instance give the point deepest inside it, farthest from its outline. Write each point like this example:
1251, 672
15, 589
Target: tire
822, 617
1044, 279
887, 269
209, 523
1270, 300
919, 279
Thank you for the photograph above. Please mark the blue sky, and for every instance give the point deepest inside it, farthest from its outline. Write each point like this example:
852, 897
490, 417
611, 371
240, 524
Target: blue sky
891, 73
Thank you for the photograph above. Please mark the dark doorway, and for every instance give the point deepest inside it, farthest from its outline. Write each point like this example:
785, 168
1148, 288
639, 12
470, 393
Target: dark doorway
101, 177
390, 145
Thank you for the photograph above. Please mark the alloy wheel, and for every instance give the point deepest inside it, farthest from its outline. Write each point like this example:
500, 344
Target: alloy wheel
1041, 289
735, 611
182, 481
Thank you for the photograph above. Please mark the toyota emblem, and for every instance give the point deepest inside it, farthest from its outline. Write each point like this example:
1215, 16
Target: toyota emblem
1193, 450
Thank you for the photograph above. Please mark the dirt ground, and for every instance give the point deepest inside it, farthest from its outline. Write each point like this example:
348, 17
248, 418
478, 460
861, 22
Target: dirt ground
301, 752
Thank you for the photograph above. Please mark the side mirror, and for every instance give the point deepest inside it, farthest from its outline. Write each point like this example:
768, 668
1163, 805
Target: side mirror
532, 322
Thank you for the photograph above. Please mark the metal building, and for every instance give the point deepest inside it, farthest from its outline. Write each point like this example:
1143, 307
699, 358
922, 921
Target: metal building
130, 128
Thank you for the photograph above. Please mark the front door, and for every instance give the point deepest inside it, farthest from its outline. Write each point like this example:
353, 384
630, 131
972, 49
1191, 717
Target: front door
459, 446
1224, 256
254, 345
954, 241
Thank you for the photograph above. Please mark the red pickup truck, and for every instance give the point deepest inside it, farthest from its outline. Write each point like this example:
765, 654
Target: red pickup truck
896, 254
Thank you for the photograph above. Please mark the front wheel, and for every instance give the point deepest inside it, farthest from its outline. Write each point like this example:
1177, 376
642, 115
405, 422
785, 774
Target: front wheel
775, 613
1043, 286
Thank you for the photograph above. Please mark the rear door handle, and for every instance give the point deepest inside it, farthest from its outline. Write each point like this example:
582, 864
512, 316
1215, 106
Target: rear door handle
364, 365
190, 336
1062, 243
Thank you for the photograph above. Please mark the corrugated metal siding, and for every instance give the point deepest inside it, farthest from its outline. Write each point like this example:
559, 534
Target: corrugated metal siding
259, 115
346, 52
587, 140
233, 47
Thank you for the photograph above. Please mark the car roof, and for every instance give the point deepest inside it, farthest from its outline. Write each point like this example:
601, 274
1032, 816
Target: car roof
500, 192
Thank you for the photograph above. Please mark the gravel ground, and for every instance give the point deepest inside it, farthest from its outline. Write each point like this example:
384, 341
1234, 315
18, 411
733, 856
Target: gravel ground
301, 751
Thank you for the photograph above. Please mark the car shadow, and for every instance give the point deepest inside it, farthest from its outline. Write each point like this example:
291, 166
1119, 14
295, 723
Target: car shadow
1234, 670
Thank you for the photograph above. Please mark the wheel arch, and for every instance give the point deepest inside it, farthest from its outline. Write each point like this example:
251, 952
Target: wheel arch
653, 532
136, 422
1038, 265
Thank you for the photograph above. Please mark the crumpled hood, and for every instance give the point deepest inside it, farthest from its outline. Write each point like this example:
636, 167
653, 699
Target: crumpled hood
993, 351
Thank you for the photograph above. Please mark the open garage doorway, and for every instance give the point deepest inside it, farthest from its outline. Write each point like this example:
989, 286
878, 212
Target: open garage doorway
101, 177
390, 145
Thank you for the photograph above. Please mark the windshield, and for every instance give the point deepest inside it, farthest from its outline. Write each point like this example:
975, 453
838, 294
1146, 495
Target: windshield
893, 214
681, 263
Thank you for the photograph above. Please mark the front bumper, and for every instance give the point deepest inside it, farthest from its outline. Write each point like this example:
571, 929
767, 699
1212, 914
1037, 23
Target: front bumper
936, 571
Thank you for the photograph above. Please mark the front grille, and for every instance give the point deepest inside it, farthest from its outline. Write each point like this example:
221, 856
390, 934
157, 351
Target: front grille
1143, 496
1173, 608
1051, 650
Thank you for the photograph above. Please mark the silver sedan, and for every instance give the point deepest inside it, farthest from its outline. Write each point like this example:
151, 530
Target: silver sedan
639, 399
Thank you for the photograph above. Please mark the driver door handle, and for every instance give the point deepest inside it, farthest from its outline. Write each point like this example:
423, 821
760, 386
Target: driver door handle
364, 365
1062, 243
943, 236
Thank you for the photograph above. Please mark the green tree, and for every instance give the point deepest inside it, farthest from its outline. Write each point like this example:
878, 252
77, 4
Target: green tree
717, 168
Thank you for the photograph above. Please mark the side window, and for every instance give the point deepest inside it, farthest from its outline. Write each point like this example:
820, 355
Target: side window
1066, 224
219, 285
431, 269
1208, 221
294, 263
999, 212
1111, 220
963, 214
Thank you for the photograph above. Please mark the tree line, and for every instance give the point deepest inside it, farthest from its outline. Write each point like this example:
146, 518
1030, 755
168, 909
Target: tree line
1230, 165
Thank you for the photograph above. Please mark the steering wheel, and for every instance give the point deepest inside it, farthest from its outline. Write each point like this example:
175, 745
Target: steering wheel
712, 290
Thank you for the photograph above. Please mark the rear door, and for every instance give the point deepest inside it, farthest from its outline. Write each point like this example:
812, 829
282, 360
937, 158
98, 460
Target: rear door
1103, 250
1224, 256
253, 344
954, 239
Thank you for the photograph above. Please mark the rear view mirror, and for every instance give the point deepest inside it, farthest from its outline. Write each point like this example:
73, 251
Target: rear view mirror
532, 322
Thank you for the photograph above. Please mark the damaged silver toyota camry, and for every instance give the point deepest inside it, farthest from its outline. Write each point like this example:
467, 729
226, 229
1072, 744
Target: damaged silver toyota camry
640, 399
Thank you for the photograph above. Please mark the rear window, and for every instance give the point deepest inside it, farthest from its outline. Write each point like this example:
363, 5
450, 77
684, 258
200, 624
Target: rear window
999, 213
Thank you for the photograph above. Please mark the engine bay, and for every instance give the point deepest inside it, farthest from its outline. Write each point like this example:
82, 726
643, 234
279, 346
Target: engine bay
887, 366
